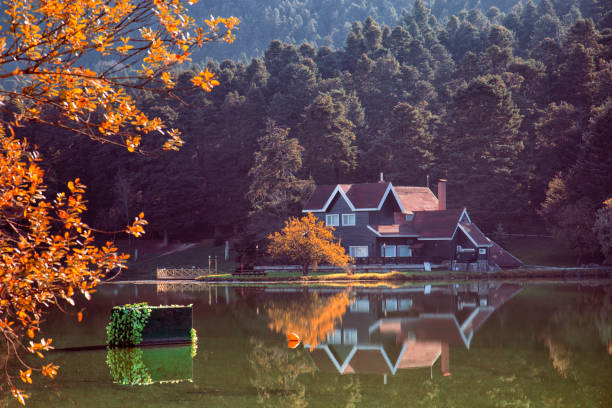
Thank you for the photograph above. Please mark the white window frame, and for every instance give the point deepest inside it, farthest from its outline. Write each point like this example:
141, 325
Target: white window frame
349, 217
482, 251
332, 220
388, 248
349, 336
355, 251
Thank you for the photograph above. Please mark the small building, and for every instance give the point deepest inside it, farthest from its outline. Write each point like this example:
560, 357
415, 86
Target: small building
380, 222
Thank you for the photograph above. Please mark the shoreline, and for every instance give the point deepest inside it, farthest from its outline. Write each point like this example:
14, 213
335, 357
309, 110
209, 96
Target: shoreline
539, 274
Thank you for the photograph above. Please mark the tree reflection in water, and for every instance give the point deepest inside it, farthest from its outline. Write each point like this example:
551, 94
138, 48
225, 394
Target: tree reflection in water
311, 316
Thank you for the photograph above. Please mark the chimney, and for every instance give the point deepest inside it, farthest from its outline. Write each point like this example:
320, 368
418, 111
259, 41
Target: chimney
382, 180
442, 194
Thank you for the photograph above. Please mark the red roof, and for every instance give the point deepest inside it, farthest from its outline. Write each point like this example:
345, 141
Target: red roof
416, 198
365, 195
396, 229
319, 197
472, 231
503, 258
436, 224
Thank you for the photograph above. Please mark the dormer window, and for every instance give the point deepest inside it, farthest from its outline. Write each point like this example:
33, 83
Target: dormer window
332, 220
348, 219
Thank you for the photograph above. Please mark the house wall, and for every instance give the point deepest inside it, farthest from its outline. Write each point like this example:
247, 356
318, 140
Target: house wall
385, 215
442, 248
357, 235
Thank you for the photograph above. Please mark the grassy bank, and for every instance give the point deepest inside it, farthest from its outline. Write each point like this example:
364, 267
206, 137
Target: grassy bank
416, 276
540, 251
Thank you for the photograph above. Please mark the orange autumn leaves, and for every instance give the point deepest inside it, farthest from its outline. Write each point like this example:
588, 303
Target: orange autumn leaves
46, 43
47, 251
47, 254
307, 241
312, 319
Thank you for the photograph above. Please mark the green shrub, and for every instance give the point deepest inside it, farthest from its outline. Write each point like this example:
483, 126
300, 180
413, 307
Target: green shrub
126, 324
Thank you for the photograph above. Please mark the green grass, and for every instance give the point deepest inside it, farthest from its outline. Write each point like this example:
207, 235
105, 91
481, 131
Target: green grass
541, 251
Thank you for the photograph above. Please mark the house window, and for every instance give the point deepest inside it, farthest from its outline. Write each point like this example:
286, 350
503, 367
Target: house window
358, 251
335, 337
332, 220
404, 250
360, 305
348, 219
389, 251
409, 217
350, 336
482, 251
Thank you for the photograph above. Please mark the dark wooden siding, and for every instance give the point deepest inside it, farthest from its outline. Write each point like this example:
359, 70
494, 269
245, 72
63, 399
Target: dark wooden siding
385, 215
357, 235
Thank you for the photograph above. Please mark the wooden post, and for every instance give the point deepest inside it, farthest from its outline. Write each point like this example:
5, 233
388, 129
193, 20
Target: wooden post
209, 264
215, 264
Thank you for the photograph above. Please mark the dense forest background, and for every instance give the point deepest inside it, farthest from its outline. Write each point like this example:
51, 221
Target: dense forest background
511, 102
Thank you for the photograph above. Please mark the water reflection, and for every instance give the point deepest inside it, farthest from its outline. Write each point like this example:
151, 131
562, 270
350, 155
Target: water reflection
383, 331
505, 345
152, 365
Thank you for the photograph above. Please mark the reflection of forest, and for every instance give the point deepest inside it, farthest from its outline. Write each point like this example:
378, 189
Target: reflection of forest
566, 331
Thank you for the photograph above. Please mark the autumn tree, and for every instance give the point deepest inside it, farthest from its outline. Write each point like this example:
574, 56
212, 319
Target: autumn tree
307, 241
47, 49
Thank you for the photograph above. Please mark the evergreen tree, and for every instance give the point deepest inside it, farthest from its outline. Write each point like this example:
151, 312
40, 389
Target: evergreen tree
328, 138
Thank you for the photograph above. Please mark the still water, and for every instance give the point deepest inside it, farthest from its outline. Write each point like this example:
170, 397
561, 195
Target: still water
461, 345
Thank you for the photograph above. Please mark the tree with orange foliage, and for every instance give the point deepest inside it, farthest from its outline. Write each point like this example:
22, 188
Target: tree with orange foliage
307, 241
47, 251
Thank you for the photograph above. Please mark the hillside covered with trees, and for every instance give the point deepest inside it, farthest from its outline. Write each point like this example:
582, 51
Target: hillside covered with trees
510, 102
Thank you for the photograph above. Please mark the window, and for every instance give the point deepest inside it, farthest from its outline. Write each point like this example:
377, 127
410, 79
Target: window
334, 337
389, 251
332, 220
391, 305
348, 219
360, 305
358, 251
409, 217
404, 250
350, 336
482, 251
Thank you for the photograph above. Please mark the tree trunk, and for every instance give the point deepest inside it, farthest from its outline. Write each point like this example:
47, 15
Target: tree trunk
305, 270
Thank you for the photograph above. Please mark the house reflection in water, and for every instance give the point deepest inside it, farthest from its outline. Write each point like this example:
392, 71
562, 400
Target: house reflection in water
385, 331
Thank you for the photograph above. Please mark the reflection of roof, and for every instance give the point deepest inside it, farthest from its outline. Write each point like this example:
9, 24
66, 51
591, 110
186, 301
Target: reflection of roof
503, 258
416, 198
370, 358
420, 354
475, 234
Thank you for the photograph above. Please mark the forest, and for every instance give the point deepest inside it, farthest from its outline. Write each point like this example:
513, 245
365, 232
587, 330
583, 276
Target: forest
511, 102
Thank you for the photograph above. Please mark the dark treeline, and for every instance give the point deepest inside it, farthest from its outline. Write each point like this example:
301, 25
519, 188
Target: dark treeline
512, 105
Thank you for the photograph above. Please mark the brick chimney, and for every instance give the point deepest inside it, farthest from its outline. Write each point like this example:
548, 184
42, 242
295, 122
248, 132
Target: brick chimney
442, 194
382, 178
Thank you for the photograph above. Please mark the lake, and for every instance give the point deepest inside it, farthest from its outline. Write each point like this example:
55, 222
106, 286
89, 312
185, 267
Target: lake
480, 344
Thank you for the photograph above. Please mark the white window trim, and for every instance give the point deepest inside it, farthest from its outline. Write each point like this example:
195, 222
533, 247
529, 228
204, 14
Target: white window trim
353, 250
329, 220
397, 249
348, 224
482, 251
388, 247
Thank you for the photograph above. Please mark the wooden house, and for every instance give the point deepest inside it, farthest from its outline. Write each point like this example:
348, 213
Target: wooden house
380, 222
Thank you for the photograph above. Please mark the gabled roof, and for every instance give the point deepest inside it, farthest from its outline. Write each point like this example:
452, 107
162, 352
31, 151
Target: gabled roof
359, 197
416, 198
503, 258
475, 234
438, 224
